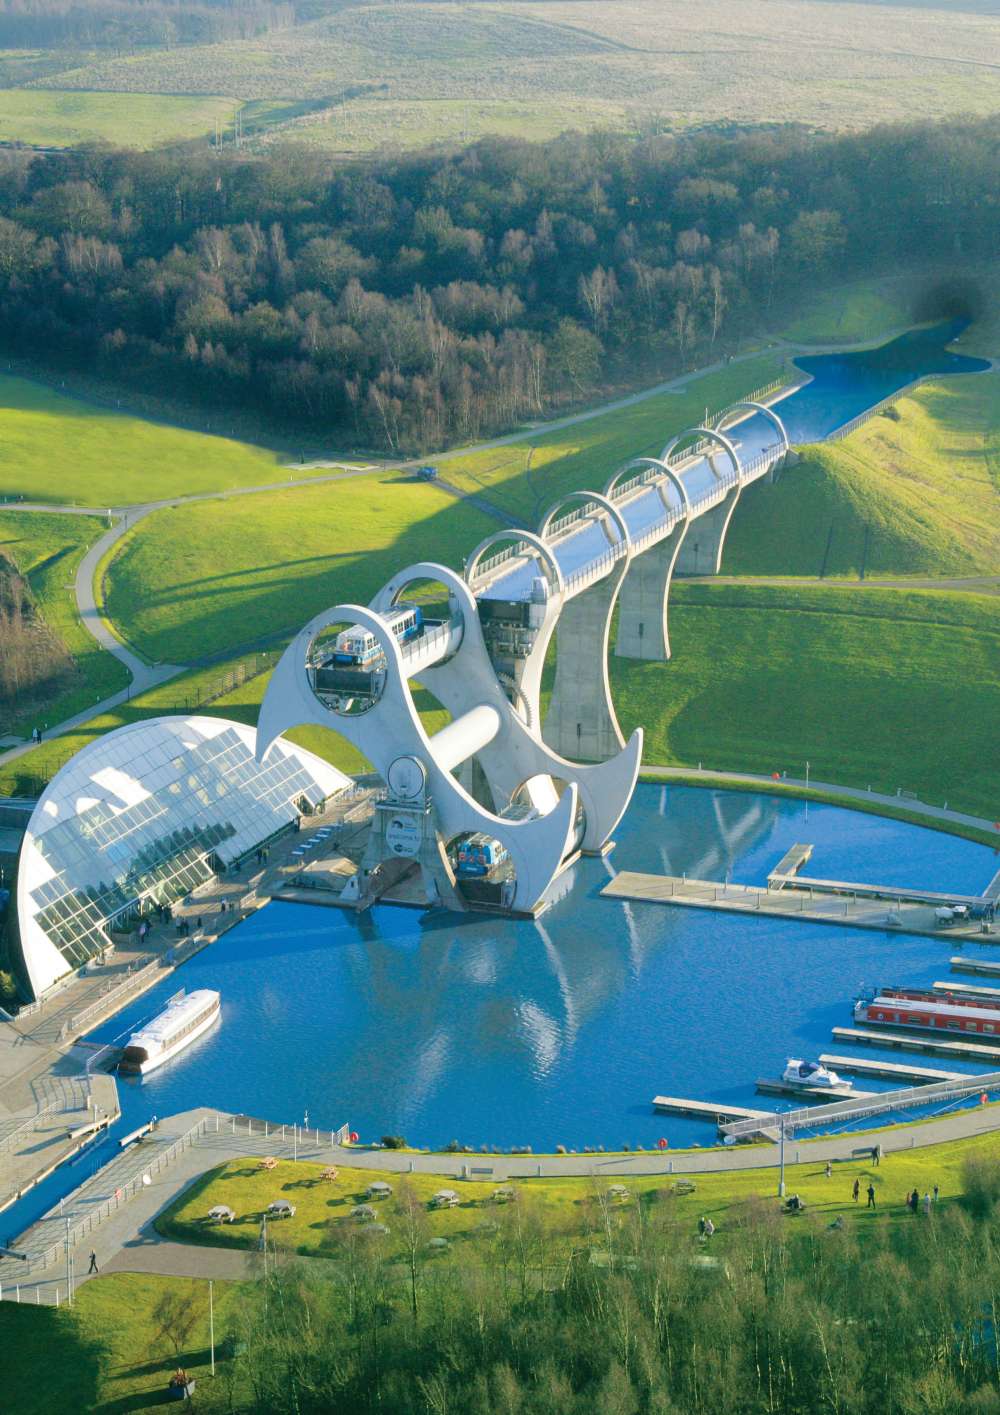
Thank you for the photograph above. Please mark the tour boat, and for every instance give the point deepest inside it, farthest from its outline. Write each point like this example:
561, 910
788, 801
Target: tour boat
929, 1011
811, 1075
181, 1021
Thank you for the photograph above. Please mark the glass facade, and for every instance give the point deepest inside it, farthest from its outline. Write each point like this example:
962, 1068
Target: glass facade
149, 813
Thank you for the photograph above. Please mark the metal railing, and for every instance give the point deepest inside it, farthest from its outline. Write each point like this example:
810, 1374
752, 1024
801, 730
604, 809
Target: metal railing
123, 1193
134, 980
852, 426
881, 1103
423, 646
28, 1124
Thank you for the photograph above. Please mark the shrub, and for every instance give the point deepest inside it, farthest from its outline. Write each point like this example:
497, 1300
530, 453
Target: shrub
393, 1142
981, 1185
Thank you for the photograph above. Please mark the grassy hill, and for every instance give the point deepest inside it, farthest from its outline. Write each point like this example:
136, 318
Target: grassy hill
399, 75
47, 550
204, 578
525, 476
916, 492
65, 450
887, 688
57, 118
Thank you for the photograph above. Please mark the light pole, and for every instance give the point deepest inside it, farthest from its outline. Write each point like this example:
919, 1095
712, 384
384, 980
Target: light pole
781, 1178
211, 1323
807, 776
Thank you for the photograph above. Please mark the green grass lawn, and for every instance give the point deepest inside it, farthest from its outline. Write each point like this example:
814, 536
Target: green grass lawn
888, 688
57, 118
917, 493
47, 550
526, 476
59, 449
104, 1354
204, 578
323, 1208
848, 314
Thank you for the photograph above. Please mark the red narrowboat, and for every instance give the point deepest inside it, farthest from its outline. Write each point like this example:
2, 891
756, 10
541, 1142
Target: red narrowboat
929, 1011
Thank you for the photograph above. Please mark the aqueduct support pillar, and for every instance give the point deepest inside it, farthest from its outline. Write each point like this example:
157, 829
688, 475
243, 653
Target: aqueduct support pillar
581, 722
701, 553
642, 606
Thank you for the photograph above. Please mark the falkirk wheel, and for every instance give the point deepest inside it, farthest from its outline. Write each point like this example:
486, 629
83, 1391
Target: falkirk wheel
493, 806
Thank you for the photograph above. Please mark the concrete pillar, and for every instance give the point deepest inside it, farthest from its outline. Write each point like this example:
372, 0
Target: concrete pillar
642, 605
581, 722
701, 553
472, 778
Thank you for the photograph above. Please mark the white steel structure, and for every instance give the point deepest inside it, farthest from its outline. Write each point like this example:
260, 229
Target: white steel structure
541, 792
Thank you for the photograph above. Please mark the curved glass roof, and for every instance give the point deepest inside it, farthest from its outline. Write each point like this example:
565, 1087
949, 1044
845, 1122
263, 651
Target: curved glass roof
149, 812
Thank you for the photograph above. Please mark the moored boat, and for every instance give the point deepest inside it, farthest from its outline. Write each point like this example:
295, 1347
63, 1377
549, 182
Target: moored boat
924, 1011
181, 1022
812, 1075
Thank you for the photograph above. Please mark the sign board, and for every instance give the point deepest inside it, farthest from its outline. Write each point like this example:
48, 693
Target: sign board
403, 835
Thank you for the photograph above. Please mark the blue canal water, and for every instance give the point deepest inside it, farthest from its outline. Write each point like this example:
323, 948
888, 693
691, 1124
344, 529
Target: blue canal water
561, 1030
845, 385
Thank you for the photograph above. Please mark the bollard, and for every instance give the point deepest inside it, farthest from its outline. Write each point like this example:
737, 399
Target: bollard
17, 1291
265, 1129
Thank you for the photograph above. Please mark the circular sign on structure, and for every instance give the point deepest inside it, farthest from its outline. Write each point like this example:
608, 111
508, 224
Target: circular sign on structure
403, 835
406, 778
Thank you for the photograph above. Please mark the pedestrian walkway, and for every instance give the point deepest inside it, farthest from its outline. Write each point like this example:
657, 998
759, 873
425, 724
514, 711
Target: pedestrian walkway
122, 1237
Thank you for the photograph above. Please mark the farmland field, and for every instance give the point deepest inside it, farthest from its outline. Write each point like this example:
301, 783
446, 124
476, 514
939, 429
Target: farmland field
407, 74
48, 117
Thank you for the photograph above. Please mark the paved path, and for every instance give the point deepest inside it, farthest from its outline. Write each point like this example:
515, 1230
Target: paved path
125, 1241
970, 584
849, 794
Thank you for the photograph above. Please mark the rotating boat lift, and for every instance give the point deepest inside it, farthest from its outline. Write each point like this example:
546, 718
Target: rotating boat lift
545, 791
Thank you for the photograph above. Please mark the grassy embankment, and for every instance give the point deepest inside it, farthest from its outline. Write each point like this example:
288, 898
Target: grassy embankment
66, 451
524, 477
47, 550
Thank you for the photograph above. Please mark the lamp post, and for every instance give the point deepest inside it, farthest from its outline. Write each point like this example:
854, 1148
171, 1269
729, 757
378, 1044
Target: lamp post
781, 1178
807, 776
211, 1323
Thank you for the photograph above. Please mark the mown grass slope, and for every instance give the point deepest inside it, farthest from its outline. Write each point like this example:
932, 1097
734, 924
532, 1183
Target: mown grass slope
46, 550
525, 476
887, 688
916, 492
64, 450
204, 578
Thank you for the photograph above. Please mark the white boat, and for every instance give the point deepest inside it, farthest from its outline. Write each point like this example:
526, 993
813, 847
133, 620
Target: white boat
812, 1075
177, 1026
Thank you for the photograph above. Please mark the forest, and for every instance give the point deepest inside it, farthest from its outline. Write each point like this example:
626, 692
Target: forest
773, 1313
125, 25
403, 303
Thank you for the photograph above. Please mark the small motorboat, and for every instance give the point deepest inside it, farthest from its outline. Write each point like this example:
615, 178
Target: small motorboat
812, 1076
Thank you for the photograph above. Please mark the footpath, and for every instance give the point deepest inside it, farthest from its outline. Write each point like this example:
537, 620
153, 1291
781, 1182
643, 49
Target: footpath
113, 1213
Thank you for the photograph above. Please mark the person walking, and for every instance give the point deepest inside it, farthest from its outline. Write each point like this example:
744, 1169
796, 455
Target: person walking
871, 1196
709, 1228
829, 1170
856, 1191
926, 1201
914, 1201
936, 1192
93, 1263
877, 1155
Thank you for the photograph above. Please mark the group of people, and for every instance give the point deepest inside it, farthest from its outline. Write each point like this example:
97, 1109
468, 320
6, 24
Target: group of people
914, 1201
705, 1227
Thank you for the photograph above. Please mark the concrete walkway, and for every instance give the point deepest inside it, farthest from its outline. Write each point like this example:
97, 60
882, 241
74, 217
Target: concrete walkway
124, 1239
848, 794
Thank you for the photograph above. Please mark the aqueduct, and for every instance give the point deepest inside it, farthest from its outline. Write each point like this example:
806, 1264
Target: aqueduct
544, 787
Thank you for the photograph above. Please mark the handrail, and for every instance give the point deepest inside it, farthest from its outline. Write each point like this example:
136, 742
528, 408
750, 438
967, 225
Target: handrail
877, 1104
28, 1124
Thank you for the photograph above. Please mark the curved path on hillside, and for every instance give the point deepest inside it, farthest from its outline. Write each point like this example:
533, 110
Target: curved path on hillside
145, 675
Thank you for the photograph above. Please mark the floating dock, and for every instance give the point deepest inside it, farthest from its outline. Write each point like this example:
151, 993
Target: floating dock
960, 964
906, 1041
789, 865
814, 1093
893, 1070
708, 1110
871, 911
968, 990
